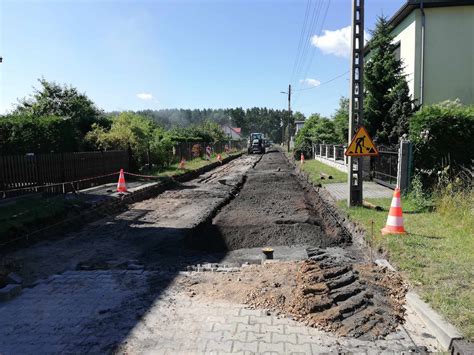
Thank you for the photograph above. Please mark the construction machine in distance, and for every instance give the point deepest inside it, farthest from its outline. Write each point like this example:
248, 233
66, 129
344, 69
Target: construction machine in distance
256, 143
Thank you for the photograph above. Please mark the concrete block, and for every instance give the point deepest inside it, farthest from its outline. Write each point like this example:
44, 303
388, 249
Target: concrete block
440, 328
384, 263
9, 291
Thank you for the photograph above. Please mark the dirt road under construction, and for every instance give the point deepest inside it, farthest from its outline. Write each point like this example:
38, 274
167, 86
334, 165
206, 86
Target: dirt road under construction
183, 273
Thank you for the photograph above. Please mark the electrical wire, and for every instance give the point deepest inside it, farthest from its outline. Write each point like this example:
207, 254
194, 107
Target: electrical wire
307, 42
308, 66
303, 31
326, 82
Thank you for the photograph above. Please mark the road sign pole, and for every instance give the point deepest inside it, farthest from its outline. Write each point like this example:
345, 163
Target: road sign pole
356, 107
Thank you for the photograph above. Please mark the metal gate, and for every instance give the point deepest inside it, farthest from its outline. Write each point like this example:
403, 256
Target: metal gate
384, 168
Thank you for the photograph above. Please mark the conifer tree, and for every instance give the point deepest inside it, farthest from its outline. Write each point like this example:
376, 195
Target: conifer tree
387, 99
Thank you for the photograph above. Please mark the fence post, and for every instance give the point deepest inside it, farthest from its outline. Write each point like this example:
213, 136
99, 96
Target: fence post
404, 165
334, 147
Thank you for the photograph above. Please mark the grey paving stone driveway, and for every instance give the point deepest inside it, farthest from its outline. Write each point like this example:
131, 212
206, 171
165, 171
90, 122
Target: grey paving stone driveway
135, 312
371, 190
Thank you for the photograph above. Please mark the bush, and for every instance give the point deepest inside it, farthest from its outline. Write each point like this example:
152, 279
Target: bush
316, 129
304, 146
23, 133
442, 135
421, 199
161, 148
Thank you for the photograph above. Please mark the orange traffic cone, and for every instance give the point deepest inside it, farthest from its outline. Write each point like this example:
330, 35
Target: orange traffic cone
219, 158
121, 187
181, 164
302, 158
395, 216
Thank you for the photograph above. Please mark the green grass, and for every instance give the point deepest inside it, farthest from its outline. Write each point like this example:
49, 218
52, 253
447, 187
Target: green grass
190, 165
314, 168
22, 214
437, 255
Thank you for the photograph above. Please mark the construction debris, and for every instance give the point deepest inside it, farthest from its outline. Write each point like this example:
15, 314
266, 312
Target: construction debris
328, 291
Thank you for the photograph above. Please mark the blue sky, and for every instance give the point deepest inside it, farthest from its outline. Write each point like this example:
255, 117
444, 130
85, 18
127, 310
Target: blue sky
130, 55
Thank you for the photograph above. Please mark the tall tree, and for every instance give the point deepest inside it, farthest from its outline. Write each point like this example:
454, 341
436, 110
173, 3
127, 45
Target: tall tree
53, 99
402, 110
383, 79
341, 121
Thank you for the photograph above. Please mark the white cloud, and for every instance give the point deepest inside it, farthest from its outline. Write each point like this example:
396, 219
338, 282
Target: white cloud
337, 42
310, 82
145, 96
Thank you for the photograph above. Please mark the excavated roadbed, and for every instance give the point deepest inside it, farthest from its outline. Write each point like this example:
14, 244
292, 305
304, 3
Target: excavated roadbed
338, 292
273, 209
137, 280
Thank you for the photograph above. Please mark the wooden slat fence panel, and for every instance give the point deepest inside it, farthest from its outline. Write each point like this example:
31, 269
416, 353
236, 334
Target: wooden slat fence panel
30, 170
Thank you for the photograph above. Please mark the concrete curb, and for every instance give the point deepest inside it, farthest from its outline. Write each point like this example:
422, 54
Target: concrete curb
444, 332
441, 329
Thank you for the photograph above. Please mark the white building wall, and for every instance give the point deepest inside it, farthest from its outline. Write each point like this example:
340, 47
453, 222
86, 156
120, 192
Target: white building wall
449, 54
405, 33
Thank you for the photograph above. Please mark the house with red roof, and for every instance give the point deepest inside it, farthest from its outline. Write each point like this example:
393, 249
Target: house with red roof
232, 132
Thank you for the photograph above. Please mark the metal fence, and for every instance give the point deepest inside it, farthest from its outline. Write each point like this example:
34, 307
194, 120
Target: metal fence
329, 151
339, 152
384, 168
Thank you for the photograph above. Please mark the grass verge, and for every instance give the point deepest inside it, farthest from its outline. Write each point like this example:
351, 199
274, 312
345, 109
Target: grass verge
437, 255
190, 165
23, 214
314, 168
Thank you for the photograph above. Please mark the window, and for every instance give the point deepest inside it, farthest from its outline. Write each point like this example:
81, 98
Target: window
396, 51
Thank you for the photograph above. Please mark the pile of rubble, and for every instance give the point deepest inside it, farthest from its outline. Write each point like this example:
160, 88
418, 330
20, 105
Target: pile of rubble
332, 293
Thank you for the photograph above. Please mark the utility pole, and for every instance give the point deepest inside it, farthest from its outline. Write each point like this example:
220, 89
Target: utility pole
356, 103
288, 129
289, 116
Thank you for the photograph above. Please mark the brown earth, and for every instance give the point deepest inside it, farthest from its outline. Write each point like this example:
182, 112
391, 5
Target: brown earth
327, 291
274, 209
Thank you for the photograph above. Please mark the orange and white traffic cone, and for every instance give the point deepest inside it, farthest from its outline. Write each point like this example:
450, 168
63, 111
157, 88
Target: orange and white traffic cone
395, 216
219, 158
302, 159
121, 187
182, 164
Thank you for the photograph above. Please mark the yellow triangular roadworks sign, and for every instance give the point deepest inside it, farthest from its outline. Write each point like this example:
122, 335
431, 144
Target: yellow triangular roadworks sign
361, 145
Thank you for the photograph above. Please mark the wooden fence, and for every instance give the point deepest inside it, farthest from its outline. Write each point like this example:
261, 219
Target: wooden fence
22, 174
37, 170
185, 149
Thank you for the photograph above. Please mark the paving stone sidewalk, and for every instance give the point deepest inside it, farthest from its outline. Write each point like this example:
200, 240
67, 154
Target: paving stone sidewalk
137, 312
371, 190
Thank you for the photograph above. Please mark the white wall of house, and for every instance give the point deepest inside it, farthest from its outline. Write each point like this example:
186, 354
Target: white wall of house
298, 126
406, 35
449, 54
231, 133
